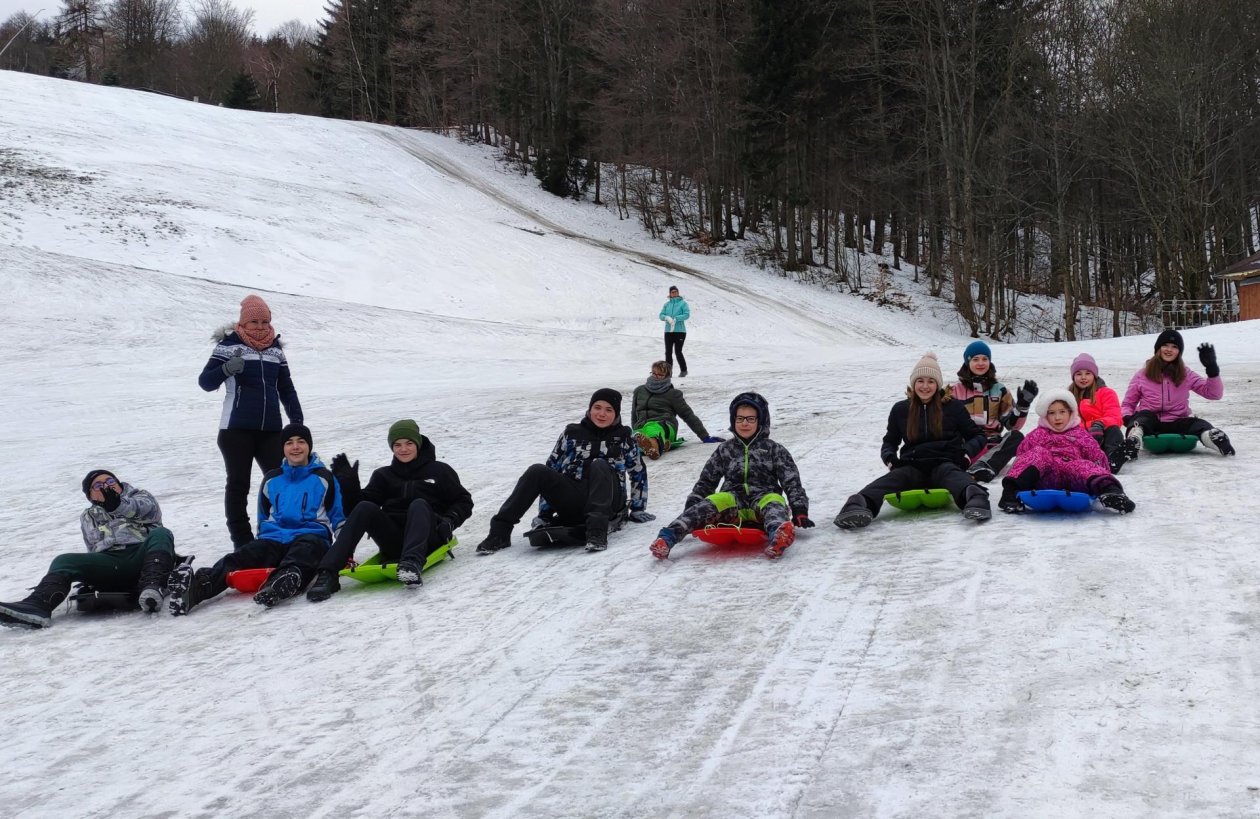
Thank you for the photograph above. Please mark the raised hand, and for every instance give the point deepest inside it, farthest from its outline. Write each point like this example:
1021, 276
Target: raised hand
1207, 357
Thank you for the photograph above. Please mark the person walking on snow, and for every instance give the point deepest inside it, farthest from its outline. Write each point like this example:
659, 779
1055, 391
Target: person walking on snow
409, 508
937, 439
993, 408
1099, 409
249, 363
1158, 399
299, 515
1061, 454
675, 314
128, 550
584, 479
656, 407
759, 482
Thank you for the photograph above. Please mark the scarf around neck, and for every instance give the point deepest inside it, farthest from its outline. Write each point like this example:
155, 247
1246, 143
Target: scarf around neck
259, 340
658, 385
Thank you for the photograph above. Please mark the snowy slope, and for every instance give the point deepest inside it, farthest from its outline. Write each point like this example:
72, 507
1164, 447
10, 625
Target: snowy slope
1083, 667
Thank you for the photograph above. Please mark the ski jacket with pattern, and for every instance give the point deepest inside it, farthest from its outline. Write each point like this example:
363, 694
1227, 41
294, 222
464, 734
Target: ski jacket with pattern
1167, 400
959, 441
677, 309
1066, 460
1104, 406
137, 515
667, 406
992, 408
582, 442
750, 469
299, 500
252, 397
396, 486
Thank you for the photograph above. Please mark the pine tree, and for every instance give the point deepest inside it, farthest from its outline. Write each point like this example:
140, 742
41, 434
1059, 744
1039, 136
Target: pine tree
243, 93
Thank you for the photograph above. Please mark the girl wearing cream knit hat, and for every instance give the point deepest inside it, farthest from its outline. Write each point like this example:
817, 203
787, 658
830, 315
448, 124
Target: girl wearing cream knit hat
937, 439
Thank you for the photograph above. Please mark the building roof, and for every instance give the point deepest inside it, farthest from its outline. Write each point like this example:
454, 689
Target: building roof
1244, 269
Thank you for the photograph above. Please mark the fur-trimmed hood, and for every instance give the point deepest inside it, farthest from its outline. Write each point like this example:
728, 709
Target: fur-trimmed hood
1045, 399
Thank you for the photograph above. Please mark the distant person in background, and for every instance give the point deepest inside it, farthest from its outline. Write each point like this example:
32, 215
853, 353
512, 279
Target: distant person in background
658, 405
675, 314
128, 550
248, 362
1158, 399
1099, 409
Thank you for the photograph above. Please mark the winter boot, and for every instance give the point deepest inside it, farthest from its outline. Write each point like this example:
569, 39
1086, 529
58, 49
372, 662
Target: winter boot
596, 536
495, 541
665, 540
409, 573
1217, 441
1010, 502
186, 588
977, 505
1117, 501
855, 514
650, 447
1116, 459
779, 540
1133, 443
326, 584
281, 584
153, 575
982, 472
36, 610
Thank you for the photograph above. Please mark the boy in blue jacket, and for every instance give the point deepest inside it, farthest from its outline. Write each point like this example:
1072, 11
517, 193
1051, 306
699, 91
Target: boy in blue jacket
299, 514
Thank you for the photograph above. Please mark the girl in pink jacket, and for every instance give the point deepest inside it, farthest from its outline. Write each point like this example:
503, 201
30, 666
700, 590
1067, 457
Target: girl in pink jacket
1061, 454
1099, 408
1158, 399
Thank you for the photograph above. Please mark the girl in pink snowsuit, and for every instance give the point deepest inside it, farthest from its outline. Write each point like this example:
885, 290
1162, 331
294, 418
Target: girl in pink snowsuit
1061, 454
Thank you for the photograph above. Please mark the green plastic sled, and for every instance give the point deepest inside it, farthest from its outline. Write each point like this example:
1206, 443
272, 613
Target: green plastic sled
914, 499
372, 571
1169, 442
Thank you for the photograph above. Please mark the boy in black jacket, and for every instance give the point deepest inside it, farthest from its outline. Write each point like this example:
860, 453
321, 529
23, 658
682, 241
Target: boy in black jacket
410, 508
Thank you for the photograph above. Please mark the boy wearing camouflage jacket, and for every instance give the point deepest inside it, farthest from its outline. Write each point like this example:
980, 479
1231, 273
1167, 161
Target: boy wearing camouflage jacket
759, 479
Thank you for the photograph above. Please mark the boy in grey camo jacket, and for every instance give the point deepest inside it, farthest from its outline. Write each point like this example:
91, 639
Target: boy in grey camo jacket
759, 481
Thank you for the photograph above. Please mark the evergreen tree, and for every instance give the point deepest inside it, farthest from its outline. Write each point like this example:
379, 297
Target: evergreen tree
243, 93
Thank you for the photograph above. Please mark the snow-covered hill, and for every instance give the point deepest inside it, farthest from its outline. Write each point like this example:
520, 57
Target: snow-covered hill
925, 666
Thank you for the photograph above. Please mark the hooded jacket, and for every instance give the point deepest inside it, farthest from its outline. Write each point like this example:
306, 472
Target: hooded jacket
137, 515
959, 441
252, 398
299, 500
1068, 458
583, 442
1167, 400
677, 309
667, 406
396, 486
750, 469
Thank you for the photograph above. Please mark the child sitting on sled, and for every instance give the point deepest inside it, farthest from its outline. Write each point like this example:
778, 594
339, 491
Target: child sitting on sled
937, 439
657, 406
759, 482
998, 412
1099, 408
1061, 454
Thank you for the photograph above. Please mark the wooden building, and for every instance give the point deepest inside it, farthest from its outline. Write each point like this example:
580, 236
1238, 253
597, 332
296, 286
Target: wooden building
1245, 276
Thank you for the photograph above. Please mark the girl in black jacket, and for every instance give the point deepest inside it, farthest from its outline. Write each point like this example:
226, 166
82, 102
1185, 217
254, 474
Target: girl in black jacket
410, 508
937, 439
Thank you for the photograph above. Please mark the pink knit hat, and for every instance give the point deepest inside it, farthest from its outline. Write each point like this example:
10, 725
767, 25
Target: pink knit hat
1084, 361
253, 308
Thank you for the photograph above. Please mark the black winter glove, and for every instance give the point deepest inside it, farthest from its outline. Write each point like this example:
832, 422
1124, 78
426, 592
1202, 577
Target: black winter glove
802, 521
1097, 428
346, 474
1207, 357
234, 365
444, 530
111, 497
1025, 397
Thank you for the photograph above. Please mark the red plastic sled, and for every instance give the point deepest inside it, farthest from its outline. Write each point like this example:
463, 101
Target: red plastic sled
247, 581
732, 536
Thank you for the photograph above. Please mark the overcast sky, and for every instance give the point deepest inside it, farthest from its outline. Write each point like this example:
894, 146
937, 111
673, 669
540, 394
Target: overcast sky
267, 13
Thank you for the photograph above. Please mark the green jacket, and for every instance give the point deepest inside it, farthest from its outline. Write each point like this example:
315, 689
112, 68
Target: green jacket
666, 406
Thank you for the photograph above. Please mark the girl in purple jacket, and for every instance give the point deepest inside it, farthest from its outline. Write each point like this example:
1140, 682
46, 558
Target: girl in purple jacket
1061, 454
1158, 399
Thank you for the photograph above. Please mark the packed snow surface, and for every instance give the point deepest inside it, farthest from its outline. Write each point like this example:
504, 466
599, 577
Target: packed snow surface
927, 666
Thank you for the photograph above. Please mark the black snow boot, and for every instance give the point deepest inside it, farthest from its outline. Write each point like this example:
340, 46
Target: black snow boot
977, 505
281, 584
326, 584
36, 610
186, 588
495, 541
409, 573
855, 514
1217, 441
153, 575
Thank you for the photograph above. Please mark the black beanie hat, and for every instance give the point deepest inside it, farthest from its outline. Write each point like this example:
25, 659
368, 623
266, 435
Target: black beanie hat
87, 480
1170, 337
297, 431
606, 394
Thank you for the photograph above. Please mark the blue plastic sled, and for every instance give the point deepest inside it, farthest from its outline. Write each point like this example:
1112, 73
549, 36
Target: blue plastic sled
1056, 500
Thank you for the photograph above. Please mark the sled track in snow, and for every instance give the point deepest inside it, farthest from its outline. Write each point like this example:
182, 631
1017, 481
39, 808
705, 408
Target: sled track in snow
824, 331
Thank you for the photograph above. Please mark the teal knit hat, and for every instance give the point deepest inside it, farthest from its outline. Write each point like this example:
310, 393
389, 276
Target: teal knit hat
406, 428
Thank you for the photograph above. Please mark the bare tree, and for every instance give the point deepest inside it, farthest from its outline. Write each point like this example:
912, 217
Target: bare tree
141, 35
216, 38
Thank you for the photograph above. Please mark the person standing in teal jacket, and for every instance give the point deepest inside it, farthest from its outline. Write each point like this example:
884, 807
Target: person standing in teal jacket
675, 314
